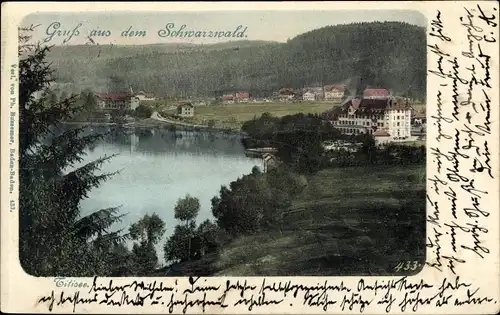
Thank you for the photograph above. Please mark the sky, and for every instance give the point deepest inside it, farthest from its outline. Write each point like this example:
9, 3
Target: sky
279, 26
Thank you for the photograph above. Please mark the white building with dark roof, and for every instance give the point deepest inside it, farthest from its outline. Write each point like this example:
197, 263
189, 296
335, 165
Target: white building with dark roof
309, 96
371, 115
185, 110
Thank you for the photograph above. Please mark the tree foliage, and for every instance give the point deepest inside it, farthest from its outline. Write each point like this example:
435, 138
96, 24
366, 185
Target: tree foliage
144, 258
149, 229
298, 138
191, 242
143, 111
54, 237
256, 201
187, 209
188, 240
146, 233
178, 246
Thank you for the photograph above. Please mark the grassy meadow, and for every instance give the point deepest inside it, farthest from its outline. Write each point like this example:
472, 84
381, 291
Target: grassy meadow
346, 221
234, 115
247, 111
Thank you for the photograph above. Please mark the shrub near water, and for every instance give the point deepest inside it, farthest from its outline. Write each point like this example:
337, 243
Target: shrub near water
143, 111
256, 201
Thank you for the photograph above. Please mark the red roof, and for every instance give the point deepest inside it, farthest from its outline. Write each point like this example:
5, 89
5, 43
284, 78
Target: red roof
242, 95
115, 96
376, 92
337, 87
227, 97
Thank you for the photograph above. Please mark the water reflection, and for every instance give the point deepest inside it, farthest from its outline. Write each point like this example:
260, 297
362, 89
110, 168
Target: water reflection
159, 166
158, 141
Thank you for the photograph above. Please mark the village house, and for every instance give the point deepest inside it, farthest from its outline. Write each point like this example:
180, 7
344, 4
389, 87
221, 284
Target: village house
357, 116
286, 94
334, 92
117, 101
381, 137
241, 97
309, 96
228, 99
317, 91
418, 118
143, 96
185, 110
237, 97
376, 94
269, 161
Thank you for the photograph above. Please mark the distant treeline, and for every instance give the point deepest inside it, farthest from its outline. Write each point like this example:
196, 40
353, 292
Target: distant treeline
389, 54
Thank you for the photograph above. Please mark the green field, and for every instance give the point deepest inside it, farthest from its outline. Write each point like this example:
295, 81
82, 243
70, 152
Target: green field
234, 115
246, 111
347, 221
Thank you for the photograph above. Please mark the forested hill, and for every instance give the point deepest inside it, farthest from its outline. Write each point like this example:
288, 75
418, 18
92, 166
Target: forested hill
388, 54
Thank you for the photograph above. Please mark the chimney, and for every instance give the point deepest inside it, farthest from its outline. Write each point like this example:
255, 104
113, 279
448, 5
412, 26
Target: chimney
131, 91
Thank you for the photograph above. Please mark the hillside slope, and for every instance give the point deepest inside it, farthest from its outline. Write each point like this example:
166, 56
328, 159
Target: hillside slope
362, 224
389, 54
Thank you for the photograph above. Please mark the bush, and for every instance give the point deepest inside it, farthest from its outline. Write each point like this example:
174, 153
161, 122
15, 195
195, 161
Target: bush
178, 246
189, 242
143, 111
256, 201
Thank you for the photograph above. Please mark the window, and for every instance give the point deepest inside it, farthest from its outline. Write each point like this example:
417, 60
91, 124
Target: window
398, 123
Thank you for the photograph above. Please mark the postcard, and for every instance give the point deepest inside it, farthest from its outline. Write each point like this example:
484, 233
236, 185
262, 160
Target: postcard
237, 158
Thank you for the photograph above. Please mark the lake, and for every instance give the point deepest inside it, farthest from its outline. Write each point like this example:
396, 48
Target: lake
157, 167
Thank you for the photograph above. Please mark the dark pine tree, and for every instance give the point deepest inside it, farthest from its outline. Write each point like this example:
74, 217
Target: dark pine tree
55, 240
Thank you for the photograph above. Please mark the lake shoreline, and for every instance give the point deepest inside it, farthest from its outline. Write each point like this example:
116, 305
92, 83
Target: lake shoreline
157, 168
149, 123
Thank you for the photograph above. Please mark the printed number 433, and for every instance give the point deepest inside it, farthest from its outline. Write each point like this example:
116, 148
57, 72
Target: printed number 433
407, 266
